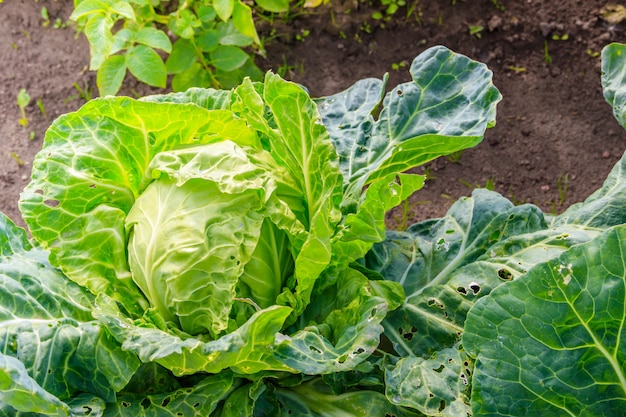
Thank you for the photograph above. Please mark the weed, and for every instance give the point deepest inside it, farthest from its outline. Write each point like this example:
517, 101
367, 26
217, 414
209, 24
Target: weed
23, 100
454, 157
546, 54
85, 93
562, 184
397, 66
476, 31
516, 70
490, 184
17, 159
42, 109
404, 215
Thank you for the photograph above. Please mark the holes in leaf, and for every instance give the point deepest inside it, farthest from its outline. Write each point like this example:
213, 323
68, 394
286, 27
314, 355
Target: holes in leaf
125, 404
146, 403
51, 203
342, 358
475, 287
40, 192
358, 351
49, 371
431, 395
505, 275
93, 186
399, 92
152, 138
87, 410
461, 290
314, 349
196, 405
440, 369
442, 406
165, 402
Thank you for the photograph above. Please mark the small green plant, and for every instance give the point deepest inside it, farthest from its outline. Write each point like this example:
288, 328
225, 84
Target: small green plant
23, 100
490, 184
546, 53
476, 31
397, 66
17, 159
84, 93
455, 157
209, 47
41, 107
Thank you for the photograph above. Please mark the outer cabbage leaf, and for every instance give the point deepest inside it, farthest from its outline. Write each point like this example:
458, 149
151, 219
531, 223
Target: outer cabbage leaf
46, 323
605, 207
198, 400
553, 342
436, 260
341, 328
446, 265
446, 108
93, 166
614, 79
315, 399
246, 350
443, 381
19, 392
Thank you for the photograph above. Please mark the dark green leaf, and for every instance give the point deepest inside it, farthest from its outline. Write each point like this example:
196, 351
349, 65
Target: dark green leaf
614, 79
552, 343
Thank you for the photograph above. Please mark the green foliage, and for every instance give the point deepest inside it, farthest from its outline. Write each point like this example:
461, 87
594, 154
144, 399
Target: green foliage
208, 46
196, 253
23, 100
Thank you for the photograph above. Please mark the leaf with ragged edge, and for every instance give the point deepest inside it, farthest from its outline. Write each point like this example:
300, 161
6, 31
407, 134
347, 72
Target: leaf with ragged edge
46, 322
553, 342
446, 108
614, 79
85, 180
208, 98
19, 392
344, 327
246, 350
198, 400
360, 230
423, 384
428, 260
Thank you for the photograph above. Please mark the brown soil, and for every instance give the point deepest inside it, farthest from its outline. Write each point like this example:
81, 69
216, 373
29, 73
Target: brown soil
554, 143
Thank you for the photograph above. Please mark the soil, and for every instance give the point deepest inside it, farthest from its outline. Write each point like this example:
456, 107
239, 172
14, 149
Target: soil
555, 139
